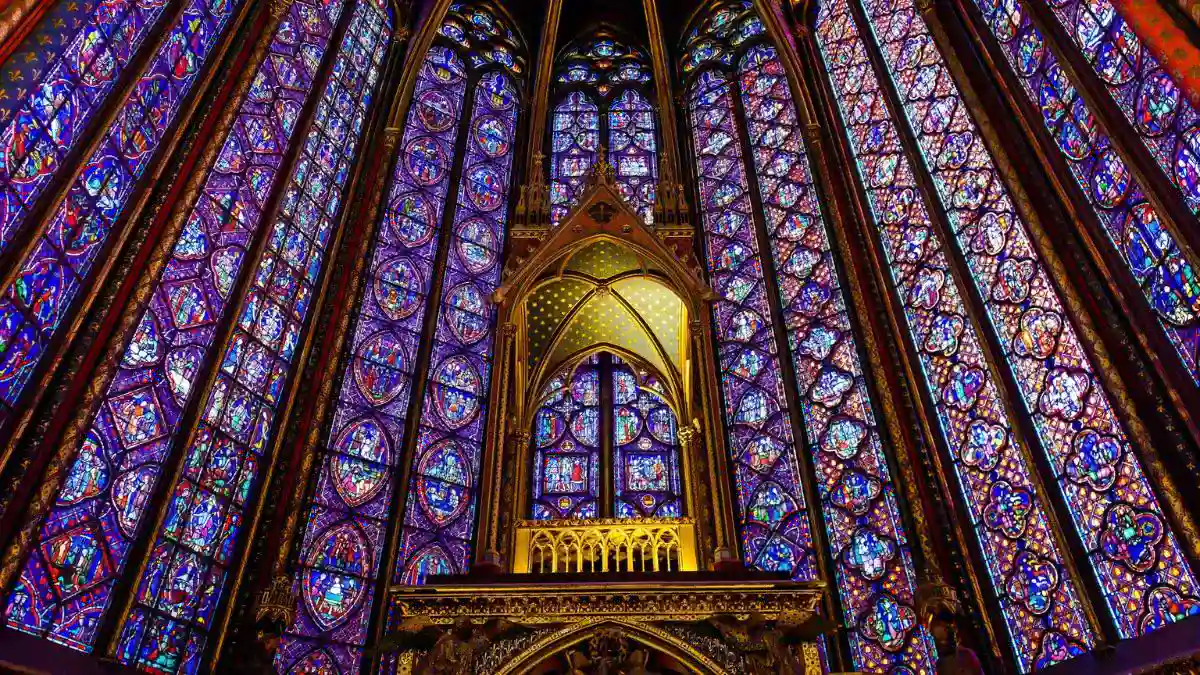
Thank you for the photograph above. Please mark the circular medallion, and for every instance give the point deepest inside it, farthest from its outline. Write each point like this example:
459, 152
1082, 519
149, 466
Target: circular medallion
328, 595
1157, 103
485, 187
466, 314
399, 288
378, 368
411, 219
444, 481
476, 244
436, 110
491, 135
457, 388
425, 160
357, 480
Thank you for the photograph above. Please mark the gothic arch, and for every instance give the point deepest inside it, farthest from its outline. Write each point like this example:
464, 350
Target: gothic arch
645, 635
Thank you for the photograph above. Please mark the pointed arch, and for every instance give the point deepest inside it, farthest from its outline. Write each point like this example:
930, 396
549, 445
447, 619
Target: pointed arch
602, 89
656, 639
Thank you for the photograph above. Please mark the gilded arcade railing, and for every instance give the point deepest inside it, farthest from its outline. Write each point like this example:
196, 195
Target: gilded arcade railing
605, 545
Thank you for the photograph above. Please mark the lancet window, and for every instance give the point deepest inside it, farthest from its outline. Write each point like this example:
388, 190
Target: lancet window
605, 444
757, 193
1117, 196
442, 227
891, 84
329, 52
38, 131
602, 99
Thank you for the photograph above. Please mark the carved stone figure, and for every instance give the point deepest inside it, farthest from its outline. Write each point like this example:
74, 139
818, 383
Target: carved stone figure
448, 650
769, 649
608, 653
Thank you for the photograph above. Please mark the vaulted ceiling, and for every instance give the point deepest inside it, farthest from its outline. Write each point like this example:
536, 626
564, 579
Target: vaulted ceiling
580, 15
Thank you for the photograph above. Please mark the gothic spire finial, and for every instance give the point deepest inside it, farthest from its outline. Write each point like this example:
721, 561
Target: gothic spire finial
603, 173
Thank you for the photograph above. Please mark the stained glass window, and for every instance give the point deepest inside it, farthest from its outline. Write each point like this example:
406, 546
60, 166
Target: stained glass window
566, 442
868, 544
64, 591
345, 544
604, 395
1116, 195
357, 473
47, 110
62, 255
576, 139
646, 480
631, 150
602, 86
775, 526
1142, 89
440, 515
1131, 548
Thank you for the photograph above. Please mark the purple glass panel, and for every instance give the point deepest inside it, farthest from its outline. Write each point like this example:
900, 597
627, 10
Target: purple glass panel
1144, 92
439, 518
62, 257
84, 544
575, 137
867, 540
603, 76
1129, 543
775, 526
633, 150
357, 469
222, 461
566, 446
646, 478
72, 85
1168, 281
603, 61
1042, 610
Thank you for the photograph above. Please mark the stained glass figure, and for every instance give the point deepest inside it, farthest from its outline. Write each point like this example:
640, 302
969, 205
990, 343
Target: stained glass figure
1071, 412
867, 542
358, 467
1116, 196
646, 474
602, 86
775, 526
440, 510
60, 259
566, 446
104, 500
